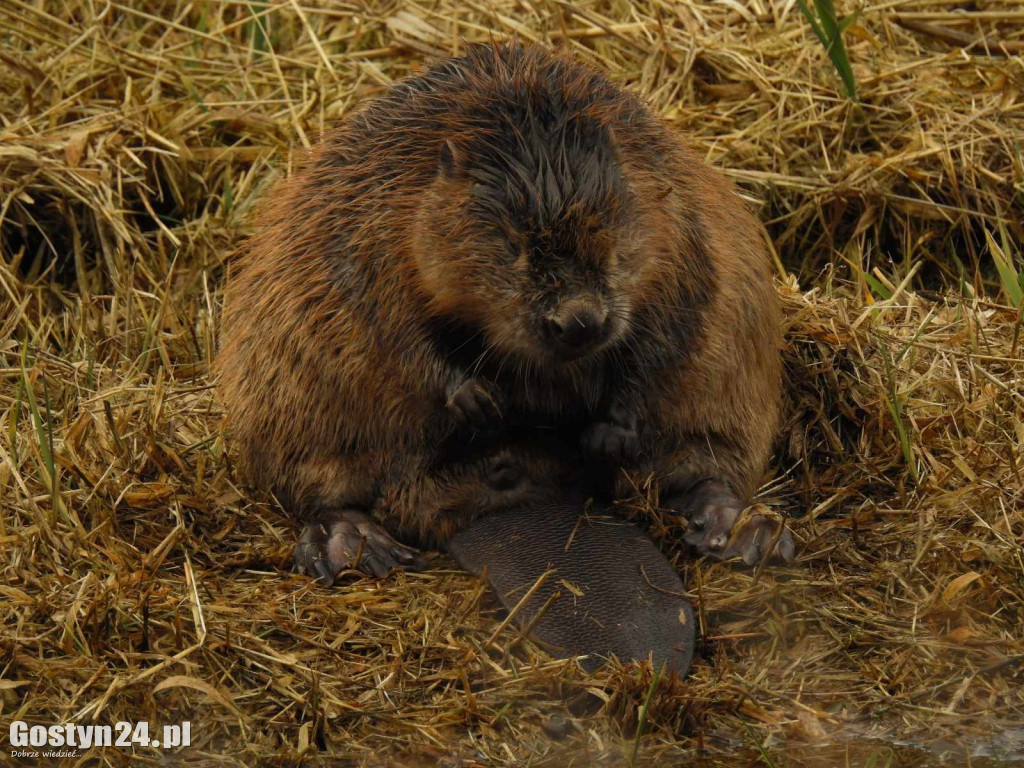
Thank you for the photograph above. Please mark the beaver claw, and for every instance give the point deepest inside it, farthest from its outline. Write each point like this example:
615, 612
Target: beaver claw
615, 439
472, 404
751, 538
350, 539
715, 527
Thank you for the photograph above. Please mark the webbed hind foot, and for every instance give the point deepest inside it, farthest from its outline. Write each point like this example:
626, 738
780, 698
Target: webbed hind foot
718, 527
349, 538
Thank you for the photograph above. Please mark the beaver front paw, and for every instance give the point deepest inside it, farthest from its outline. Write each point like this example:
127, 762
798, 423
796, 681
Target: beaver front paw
472, 404
718, 527
503, 472
349, 538
615, 439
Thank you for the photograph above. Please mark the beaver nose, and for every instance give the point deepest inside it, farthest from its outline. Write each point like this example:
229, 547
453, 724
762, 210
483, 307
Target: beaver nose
577, 328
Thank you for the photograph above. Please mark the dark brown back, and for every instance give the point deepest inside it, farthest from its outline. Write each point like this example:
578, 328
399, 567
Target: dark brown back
632, 604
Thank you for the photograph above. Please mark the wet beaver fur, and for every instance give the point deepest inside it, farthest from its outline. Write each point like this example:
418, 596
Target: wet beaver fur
505, 240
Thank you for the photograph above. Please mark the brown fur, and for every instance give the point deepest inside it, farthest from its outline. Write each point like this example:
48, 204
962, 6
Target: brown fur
431, 506
331, 369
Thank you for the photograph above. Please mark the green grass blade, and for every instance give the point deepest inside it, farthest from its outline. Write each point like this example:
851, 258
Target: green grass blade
643, 715
895, 406
829, 30
760, 747
12, 418
876, 286
827, 18
812, 21
1013, 283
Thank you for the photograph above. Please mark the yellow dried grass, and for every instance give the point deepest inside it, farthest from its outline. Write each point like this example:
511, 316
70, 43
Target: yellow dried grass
141, 582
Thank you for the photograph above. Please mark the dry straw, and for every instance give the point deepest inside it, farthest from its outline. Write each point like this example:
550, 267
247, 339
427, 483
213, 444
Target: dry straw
141, 582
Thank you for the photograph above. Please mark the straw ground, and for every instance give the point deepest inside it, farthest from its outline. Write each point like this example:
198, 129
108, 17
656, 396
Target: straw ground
141, 582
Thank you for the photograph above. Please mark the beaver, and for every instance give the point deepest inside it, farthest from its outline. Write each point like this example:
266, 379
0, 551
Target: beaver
507, 239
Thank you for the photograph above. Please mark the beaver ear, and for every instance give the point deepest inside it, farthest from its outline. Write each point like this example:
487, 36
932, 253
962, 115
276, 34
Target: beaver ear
452, 161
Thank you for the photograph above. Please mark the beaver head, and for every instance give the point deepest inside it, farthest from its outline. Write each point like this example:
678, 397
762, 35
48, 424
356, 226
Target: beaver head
525, 231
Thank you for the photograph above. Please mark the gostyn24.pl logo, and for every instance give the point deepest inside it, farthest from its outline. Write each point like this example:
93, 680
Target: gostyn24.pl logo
25, 738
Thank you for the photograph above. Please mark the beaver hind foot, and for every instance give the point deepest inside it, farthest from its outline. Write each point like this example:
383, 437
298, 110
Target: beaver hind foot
619, 594
349, 538
718, 528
